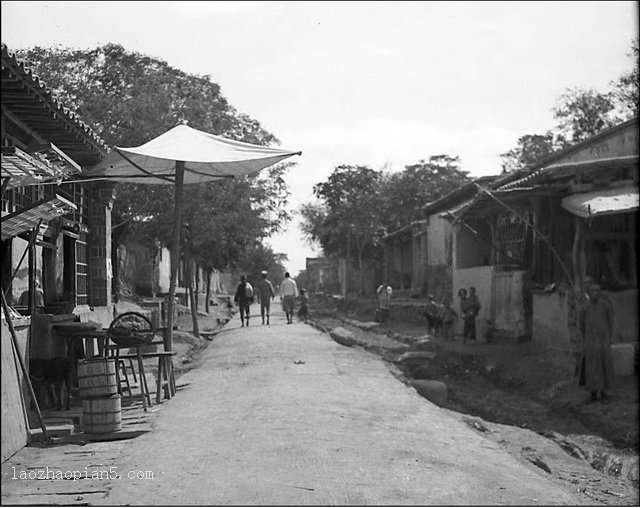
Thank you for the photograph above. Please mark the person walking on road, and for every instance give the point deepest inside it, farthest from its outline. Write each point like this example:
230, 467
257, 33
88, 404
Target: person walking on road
244, 299
288, 294
596, 325
265, 295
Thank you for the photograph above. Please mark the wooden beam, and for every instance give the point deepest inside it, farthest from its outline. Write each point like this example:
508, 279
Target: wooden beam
23, 126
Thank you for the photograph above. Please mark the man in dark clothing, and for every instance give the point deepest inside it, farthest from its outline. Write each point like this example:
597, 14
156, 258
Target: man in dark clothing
244, 299
596, 325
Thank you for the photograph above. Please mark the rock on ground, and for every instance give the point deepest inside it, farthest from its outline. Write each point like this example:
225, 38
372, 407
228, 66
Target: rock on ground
435, 391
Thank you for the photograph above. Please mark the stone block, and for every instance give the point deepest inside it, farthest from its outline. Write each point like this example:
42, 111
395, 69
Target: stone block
343, 336
434, 391
623, 359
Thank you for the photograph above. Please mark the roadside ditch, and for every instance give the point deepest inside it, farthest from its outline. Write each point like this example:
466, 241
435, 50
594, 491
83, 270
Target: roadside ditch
499, 385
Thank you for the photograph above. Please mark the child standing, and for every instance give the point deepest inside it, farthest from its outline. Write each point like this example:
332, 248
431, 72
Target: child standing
303, 313
449, 317
433, 315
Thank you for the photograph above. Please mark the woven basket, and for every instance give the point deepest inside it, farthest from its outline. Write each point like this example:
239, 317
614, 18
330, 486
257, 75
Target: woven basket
131, 329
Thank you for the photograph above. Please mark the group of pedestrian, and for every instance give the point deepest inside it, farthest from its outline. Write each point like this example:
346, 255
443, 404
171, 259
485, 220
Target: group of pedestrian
244, 297
441, 317
595, 365
595, 322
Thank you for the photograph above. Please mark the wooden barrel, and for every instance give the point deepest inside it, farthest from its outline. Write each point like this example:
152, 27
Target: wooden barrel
97, 378
101, 416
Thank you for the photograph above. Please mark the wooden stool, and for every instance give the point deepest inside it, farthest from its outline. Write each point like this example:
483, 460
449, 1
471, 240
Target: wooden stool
122, 377
142, 379
166, 381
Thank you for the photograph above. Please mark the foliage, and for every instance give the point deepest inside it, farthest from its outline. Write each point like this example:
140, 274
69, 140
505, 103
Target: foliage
407, 192
582, 114
128, 98
357, 206
530, 149
347, 222
350, 208
258, 257
625, 88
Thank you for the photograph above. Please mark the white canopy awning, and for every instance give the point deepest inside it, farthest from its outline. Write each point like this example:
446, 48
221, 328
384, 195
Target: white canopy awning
602, 202
206, 157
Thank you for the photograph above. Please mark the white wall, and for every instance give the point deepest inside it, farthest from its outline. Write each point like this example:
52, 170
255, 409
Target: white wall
437, 232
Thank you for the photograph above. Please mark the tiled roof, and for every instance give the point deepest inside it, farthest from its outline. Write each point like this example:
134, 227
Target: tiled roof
28, 100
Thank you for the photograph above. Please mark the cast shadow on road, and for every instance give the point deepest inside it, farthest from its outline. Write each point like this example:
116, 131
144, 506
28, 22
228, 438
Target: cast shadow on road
82, 438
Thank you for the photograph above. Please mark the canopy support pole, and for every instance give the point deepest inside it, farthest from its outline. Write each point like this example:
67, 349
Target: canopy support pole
175, 254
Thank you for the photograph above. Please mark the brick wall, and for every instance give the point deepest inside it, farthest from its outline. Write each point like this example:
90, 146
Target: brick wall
101, 203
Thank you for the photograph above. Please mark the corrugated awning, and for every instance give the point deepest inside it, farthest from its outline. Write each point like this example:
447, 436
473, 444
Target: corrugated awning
452, 213
566, 169
603, 202
47, 165
25, 220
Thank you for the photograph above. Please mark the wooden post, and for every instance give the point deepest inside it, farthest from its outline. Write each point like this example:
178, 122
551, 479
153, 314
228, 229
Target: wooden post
576, 258
175, 253
192, 297
346, 265
144, 389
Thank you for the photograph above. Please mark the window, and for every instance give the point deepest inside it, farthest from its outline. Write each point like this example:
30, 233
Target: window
610, 248
512, 234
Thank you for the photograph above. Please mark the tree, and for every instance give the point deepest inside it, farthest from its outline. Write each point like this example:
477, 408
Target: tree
348, 215
128, 98
260, 257
582, 114
407, 192
357, 206
625, 88
530, 149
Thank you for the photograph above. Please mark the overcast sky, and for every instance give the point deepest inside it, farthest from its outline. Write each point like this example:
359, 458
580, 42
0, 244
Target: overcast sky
369, 83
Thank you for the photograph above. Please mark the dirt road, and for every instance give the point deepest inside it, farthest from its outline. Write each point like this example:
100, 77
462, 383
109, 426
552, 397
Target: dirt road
283, 415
